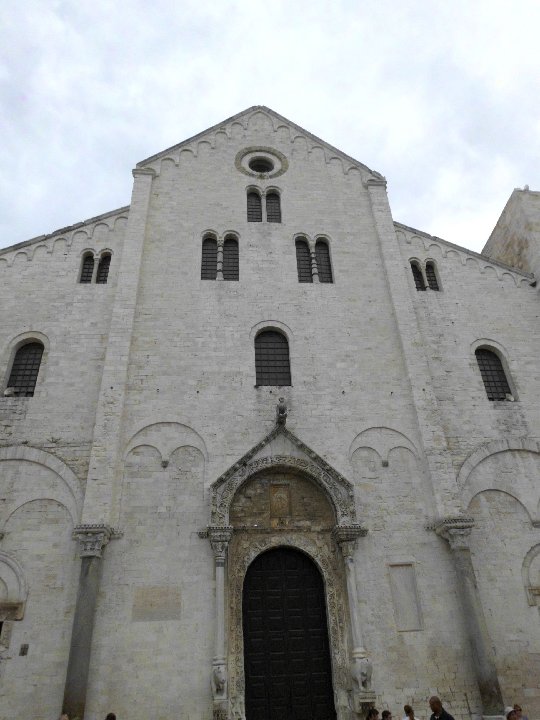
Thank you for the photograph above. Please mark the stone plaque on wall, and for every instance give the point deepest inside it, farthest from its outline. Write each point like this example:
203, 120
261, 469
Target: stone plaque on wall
155, 603
407, 610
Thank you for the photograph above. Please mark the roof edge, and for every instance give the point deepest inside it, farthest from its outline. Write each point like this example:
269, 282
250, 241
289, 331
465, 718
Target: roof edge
480, 256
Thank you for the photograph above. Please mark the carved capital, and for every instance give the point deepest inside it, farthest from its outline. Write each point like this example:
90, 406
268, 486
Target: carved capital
346, 536
220, 537
456, 531
93, 538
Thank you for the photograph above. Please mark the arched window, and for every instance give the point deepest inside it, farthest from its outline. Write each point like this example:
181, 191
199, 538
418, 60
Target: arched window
230, 259
254, 207
25, 369
303, 261
493, 375
322, 253
87, 268
273, 207
209, 259
418, 276
272, 365
103, 269
431, 275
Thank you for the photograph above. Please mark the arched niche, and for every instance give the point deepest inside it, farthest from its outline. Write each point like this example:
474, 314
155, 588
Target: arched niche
13, 588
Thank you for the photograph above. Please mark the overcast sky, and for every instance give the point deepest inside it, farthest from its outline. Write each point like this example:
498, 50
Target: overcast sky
440, 96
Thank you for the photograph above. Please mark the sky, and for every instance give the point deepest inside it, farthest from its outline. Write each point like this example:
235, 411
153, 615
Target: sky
441, 97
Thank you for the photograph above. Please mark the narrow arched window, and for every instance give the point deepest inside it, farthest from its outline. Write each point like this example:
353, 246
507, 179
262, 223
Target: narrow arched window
303, 261
272, 364
103, 269
25, 369
431, 275
273, 207
209, 259
493, 375
230, 259
87, 268
417, 275
254, 207
324, 268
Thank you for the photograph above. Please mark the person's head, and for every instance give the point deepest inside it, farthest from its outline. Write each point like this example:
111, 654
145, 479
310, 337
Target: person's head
407, 709
518, 710
110, 716
511, 715
386, 715
435, 704
64, 716
373, 714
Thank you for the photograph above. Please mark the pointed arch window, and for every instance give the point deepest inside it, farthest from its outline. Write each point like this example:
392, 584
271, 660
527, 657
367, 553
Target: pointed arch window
273, 207
25, 369
272, 363
431, 276
209, 259
87, 268
493, 375
303, 261
324, 267
103, 269
254, 207
230, 259
418, 276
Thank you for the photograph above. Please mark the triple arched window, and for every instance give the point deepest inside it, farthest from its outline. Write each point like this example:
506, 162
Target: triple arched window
255, 206
220, 261
90, 273
493, 375
425, 278
272, 362
25, 369
309, 266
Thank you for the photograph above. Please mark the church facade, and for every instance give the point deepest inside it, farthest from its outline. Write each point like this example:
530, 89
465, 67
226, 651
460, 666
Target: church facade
267, 452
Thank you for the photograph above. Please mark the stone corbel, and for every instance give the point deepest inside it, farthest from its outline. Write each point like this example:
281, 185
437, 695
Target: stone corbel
93, 538
456, 531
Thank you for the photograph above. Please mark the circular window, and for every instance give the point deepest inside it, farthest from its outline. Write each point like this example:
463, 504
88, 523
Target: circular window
257, 161
261, 165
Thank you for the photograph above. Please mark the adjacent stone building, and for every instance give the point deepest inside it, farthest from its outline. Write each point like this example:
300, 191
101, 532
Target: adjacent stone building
266, 452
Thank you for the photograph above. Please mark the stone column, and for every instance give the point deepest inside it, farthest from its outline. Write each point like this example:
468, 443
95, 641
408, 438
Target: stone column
92, 539
314, 266
219, 274
361, 666
219, 539
456, 531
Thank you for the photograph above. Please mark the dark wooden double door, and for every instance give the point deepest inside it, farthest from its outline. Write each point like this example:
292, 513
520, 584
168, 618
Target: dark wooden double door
286, 650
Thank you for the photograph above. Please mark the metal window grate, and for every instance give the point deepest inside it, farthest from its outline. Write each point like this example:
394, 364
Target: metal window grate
103, 269
303, 262
493, 375
273, 208
209, 259
25, 369
418, 277
272, 365
87, 269
431, 276
254, 207
230, 259
324, 268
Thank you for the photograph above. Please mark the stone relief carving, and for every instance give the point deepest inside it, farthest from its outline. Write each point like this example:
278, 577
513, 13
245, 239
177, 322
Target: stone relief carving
93, 538
456, 531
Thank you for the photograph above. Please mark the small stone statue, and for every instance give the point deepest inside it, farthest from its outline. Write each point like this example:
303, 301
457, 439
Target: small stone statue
362, 670
281, 412
219, 680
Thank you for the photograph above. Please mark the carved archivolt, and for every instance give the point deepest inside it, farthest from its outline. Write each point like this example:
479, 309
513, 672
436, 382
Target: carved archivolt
244, 548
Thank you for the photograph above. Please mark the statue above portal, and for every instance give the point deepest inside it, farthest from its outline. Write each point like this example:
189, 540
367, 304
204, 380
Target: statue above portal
281, 412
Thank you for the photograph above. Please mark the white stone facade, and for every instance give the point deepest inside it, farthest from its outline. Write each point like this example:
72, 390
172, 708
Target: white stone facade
146, 401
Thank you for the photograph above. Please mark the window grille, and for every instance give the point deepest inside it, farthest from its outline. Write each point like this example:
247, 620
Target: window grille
324, 268
493, 375
431, 276
230, 259
25, 369
272, 365
303, 261
103, 269
273, 208
418, 277
87, 269
209, 259
254, 207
